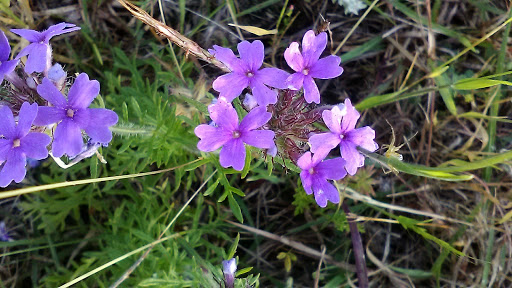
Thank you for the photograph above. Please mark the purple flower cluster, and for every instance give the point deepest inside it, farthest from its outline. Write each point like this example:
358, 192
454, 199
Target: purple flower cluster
282, 123
26, 128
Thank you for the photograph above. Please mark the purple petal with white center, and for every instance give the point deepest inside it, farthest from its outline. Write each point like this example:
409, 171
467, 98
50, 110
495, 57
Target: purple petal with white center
311, 93
307, 181
5, 48
49, 115
293, 57
99, 121
226, 56
264, 95
31, 35
67, 139
83, 91
255, 119
272, 77
51, 94
252, 54
332, 118
304, 162
326, 68
233, 154
263, 139
353, 158
7, 67
14, 168
34, 145
350, 119
25, 118
5, 147
7, 125
295, 81
332, 169
224, 115
323, 141
58, 29
363, 137
230, 85
212, 138
325, 191
37, 57
313, 46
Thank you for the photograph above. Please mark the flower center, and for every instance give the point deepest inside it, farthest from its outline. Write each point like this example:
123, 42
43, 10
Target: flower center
16, 143
311, 171
70, 113
249, 74
236, 134
305, 71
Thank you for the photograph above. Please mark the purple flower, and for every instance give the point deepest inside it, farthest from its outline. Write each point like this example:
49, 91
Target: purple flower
74, 115
341, 121
6, 66
231, 136
315, 173
307, 65
4, 235
39, 51
17, 143
229, 269
245, 72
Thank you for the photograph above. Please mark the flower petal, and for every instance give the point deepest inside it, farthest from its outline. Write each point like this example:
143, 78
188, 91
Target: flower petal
326, 68
272, 77
49, 115
99, 121
325, 191
263, 139
31, 35
295, 81
51, 94
226, 56
264, 95
25, 118
252, 54
313, 46
58, 29
307, 181
83, 91
212, 138
323, 141
224, 115
230, 85
7, 125
5, 147
233, 154
255, 119
293, 57
350, 119
5, 48
14, 168
34, 145
363, 137
304, 162
37, 58
332, 118
353, 158
67, 139
7, 67
332, 169
311, 93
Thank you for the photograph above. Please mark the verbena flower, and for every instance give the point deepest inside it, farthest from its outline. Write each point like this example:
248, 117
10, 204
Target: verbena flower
315, 173
246, 72
6, 66
74, 116
229, 269
39, 50
4, 235
341, 121
17, 143
307, 65
231, 136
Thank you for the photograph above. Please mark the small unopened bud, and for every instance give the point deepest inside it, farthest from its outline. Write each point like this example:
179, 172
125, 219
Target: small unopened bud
229, 269
57, 75
249, 102
31, 83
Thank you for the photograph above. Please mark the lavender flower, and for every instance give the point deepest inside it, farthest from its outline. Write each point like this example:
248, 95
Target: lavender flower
231, 136
315, 173
229, 269
39, 50
17, 143
245, 72
341, 121
74, 115
307, 65
4, 235
6, 66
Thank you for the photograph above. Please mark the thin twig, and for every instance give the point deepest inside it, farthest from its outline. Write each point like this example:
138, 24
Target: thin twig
357, 245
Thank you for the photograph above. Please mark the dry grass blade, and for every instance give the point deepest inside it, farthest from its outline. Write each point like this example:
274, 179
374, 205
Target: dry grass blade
174, 36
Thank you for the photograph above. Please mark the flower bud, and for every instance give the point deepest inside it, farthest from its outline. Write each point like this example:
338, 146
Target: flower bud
57, 75
229, 269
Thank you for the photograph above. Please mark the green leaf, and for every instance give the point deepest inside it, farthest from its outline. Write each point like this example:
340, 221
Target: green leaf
212, 188
234, 246
248, 158
243, 271
235, 208
478, 83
